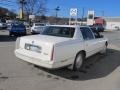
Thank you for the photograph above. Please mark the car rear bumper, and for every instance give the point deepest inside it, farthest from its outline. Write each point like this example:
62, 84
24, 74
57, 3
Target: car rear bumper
36, 61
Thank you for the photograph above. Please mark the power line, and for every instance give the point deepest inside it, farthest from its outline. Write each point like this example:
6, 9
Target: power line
103, 13
7, 1
6, 4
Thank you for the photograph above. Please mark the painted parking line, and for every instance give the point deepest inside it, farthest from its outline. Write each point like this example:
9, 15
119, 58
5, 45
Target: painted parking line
114, 47
6, 46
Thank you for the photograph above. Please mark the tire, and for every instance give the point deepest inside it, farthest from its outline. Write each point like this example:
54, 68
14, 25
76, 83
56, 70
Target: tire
32, 33
24, 34
78, 61
10, 34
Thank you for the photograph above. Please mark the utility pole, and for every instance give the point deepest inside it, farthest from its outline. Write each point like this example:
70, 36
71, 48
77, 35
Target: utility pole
103, 14
22, 2
56, 12
83, 12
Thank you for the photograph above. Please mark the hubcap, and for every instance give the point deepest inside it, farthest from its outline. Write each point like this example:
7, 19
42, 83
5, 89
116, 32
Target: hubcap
79, 62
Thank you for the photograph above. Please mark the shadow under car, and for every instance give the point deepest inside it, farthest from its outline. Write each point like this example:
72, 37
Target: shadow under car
97, 66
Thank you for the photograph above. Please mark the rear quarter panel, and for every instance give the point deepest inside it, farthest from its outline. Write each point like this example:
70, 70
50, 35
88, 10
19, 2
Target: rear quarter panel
66, 51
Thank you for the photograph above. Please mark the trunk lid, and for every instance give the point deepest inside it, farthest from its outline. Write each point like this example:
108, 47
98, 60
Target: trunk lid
40, 46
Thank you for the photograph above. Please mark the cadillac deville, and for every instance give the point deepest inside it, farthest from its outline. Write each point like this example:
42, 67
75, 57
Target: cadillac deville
60, 46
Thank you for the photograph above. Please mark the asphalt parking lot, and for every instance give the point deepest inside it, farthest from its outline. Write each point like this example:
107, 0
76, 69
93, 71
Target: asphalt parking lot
100, 72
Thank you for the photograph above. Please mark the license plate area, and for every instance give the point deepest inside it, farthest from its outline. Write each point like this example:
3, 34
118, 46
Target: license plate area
32, 47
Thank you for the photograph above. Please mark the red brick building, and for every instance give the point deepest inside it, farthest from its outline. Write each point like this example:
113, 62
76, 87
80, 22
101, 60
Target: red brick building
99, 21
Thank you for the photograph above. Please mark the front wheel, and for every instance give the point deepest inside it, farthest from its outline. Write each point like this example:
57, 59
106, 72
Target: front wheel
78, 62
25, 34
10, 34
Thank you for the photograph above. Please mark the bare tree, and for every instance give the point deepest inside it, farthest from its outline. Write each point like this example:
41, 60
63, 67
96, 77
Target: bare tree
35, 7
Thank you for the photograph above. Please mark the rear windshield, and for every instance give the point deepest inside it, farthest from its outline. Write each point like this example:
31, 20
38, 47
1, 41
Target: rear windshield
59, 31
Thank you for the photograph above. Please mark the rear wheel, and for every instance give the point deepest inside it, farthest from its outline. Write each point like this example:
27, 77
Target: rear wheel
10, 34
32, 33
78, 61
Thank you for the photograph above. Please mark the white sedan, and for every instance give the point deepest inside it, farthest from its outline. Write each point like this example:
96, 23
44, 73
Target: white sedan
37, 28
60, 46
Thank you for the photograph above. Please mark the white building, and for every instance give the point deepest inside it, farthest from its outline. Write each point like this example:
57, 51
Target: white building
112, 23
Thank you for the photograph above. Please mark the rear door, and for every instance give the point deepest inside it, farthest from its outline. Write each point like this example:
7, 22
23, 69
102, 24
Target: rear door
89, 40
99, 38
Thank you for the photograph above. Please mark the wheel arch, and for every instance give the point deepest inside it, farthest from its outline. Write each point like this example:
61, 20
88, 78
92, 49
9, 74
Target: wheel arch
83, 52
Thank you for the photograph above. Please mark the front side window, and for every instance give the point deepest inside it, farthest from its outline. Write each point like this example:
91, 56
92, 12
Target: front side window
96, 33
87, 33
59, 31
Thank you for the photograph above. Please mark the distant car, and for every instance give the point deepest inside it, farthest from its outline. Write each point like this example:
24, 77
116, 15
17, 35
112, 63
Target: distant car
27, 25
99, 28
3, 25
117, 28
17, 29
37, 28
9, 25
96, 33
92, 27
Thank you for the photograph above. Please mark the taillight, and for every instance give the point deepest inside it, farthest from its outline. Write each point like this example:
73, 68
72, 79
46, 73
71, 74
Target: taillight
52, 54
17, 44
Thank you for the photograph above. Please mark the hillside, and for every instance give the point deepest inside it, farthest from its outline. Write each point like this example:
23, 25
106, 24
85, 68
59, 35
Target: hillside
7, 14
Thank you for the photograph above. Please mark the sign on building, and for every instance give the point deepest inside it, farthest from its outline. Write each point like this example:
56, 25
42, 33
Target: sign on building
91, 14
73, 16
90, 17
73, 12
32, 17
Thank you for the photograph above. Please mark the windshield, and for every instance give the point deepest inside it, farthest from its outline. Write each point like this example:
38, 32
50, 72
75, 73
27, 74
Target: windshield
18, 26
59, 31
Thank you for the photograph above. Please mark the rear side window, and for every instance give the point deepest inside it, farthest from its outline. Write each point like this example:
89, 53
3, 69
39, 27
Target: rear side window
87, 33
59, 31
